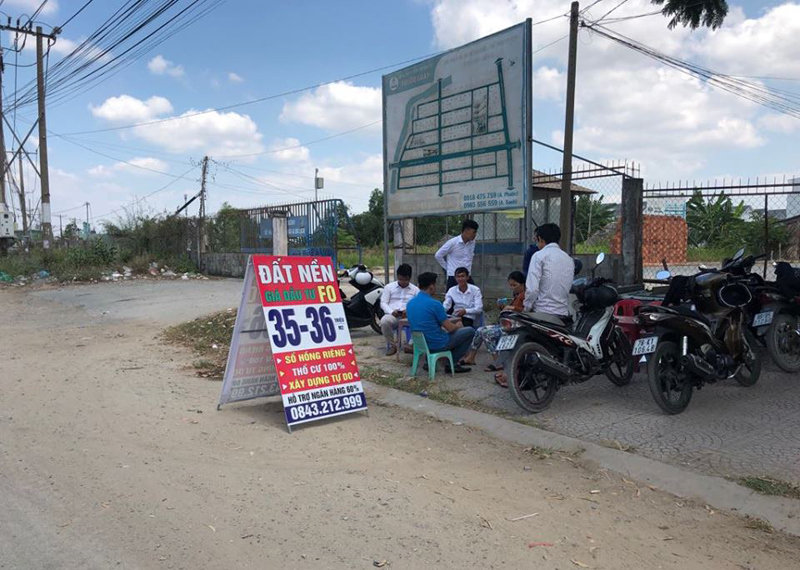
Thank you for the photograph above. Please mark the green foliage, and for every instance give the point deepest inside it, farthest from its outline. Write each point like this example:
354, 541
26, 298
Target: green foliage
95, 253
714, 222
694, 13
224, 231
755, 239
369, 225
591, 216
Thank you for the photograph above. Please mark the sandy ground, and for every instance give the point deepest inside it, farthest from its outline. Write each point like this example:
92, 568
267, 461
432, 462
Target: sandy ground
112, 456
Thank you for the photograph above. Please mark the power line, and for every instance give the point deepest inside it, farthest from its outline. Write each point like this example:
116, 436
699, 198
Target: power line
81, 9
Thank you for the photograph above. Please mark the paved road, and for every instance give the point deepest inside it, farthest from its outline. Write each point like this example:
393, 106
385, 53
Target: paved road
727, 430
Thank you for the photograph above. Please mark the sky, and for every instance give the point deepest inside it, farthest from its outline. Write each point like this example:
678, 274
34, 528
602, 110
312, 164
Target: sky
628, 107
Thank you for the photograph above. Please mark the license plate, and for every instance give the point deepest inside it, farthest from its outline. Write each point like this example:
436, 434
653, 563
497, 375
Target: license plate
645, 345
507, 342
762, 318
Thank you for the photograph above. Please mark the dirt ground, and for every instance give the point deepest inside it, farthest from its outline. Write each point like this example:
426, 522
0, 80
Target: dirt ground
112, 455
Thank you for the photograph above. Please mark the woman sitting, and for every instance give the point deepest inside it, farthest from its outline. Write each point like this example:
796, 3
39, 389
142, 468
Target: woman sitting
491, 334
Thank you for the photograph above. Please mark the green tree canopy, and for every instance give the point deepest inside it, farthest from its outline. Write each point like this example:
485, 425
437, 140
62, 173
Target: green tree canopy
694, 13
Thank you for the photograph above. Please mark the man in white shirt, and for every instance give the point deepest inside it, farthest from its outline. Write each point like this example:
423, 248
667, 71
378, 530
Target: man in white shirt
394, 299
464, 299
458, 251
550, 275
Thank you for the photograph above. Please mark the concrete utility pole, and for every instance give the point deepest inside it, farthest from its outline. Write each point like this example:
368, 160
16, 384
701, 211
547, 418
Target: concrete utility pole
566, 169
47, 228
201, 226
2, 137
22, 200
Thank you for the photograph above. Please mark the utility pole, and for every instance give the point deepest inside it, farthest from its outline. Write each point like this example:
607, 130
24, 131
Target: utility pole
47, 229
2, 137
60, 227
566, 169
22, 199
201, 226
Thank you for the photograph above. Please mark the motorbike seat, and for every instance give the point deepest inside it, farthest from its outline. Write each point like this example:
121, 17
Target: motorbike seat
683, 310
559, 323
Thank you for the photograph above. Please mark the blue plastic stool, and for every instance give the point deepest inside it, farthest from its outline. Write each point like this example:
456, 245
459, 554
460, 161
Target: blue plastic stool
421, 348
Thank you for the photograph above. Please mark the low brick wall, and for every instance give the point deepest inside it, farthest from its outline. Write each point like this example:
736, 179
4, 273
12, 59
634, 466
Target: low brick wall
225, 264
662, 237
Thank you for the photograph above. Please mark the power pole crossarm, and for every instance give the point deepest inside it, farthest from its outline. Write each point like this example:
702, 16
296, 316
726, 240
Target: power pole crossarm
565, 218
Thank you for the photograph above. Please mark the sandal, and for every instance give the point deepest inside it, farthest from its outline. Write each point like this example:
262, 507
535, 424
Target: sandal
493, 368
500, 380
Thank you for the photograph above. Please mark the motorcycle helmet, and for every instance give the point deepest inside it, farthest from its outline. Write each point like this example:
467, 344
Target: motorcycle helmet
363, 277
600, 297
734, 295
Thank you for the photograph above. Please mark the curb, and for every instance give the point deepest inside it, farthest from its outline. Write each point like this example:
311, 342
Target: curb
782, 513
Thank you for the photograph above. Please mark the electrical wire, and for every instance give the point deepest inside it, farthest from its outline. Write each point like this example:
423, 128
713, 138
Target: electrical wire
782, 101
81, 9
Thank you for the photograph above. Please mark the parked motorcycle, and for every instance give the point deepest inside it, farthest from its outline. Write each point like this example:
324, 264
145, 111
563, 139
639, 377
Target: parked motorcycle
550, 353
783, 318
364, 308
700, 342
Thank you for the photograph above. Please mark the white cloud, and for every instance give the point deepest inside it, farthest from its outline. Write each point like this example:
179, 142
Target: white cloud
548, 84
125, 108
337, 106
132, 166
209, 131
235, 77
629, 106
289, 150
160, 66
779, 123
28, 7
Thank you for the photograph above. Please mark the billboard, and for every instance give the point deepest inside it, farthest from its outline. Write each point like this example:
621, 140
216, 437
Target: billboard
456, 129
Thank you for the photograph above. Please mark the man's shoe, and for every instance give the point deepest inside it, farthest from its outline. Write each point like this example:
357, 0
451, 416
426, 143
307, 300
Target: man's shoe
458, 369
408, 349
391, 351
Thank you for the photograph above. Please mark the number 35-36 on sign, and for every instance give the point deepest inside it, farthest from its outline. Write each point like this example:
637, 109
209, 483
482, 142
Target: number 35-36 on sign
314, 359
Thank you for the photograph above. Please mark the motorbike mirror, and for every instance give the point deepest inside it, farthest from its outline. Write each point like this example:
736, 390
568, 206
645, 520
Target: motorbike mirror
599, 259
738, 255
663, 275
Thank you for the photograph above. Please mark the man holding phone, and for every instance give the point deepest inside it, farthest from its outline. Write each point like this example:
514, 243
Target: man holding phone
394, 299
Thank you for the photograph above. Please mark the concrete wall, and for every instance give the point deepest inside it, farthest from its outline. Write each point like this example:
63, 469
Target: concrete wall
225, 264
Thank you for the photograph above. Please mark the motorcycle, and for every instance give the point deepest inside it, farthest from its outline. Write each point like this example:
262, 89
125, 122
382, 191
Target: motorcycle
549, 353
782, 318
364, 308
774, 312
697, 343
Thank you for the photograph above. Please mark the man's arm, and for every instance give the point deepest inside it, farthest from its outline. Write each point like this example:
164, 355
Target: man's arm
444, 322
448, 300
441, 255
532, 282
451, 326
385, 296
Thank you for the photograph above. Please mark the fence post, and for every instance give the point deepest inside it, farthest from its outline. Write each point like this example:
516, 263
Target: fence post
631, 230
280, 232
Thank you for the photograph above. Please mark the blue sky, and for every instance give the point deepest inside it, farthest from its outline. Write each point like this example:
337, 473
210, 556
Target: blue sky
628, 107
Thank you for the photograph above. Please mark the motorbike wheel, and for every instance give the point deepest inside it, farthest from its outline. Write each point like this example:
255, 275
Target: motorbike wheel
783, 342
376, 314
620, 369
532, 391
671, 392
749, 373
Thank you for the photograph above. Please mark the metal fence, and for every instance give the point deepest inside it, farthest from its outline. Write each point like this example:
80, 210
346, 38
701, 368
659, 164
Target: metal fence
501, 240
685, 225
321, 227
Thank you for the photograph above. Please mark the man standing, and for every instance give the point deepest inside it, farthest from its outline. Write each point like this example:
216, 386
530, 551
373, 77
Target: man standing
550, 275
458, 251
464, 299
427, 315
394, 299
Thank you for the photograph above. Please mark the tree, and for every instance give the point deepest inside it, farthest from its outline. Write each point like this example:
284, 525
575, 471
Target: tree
369, 225
713, 223
591, 216
694, 13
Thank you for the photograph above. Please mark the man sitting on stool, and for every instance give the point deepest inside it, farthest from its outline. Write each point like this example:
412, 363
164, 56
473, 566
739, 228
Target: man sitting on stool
464, 300
394, 299
427, 315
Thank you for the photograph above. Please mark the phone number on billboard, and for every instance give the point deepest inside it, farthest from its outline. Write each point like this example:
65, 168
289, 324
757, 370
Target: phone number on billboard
326, 407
